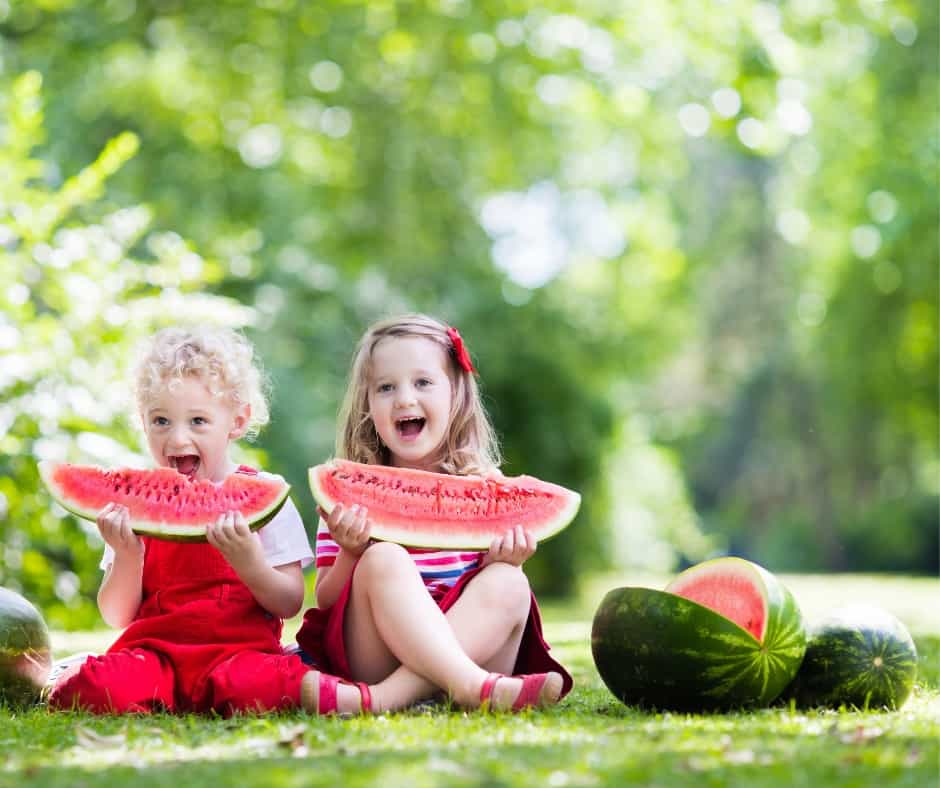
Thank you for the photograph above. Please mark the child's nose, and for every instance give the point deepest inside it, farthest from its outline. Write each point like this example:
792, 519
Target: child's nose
179, 435
405, 396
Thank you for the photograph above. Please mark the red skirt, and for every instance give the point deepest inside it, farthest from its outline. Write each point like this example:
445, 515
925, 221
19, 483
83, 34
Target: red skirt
321, 636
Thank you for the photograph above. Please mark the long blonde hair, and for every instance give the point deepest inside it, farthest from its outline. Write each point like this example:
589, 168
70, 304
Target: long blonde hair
469, 445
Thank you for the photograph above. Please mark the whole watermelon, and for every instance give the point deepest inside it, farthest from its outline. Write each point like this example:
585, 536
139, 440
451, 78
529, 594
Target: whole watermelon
860, 656
25, 656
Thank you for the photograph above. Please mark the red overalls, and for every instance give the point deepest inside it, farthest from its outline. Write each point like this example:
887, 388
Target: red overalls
199, 642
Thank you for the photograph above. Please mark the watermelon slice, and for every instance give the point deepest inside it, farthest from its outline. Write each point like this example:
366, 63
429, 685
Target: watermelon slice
724, 634
425, 509
164, 503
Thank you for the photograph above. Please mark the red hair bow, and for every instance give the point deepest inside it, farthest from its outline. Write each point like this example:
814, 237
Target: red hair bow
460, 351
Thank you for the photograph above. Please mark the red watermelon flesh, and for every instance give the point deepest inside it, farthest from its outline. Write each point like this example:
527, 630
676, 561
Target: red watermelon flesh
426, 509
731, 587
162, 502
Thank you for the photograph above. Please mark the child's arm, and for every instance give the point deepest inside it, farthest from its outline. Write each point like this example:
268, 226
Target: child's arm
121, 590
278, 589
350, 530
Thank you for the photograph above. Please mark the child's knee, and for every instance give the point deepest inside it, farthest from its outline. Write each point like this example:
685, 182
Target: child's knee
506, 588
384, 558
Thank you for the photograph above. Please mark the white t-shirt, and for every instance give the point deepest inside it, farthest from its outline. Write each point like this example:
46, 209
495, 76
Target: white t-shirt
283, 538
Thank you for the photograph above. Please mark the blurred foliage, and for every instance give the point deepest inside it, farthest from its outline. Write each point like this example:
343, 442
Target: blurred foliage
693, 251
82, 284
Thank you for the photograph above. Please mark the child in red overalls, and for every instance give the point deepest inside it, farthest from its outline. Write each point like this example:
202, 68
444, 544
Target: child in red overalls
203, 621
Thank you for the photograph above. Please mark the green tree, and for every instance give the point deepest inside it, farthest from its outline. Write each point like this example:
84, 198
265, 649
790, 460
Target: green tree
83, 282
822, 451
682, 244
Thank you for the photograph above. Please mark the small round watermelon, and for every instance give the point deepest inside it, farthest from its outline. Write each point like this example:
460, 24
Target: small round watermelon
859, 655
25, 656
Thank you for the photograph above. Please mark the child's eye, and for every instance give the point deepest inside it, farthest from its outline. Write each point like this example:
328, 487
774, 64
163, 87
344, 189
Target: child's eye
382, 388
199, 421
159, 421
423, 382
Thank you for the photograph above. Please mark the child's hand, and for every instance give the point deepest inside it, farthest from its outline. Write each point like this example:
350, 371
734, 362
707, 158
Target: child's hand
232, 537
350, 528
115, 528
513, 547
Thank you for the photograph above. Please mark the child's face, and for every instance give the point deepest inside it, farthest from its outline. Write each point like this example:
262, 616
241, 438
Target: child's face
409, 399
189, 429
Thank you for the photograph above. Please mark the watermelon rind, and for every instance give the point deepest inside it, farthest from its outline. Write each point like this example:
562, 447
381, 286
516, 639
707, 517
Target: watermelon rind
25, 652
432, 529
654, 649
165, 529
859, 655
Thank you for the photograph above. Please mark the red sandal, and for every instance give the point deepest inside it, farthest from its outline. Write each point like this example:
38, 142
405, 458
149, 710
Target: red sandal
327, 695
538, 689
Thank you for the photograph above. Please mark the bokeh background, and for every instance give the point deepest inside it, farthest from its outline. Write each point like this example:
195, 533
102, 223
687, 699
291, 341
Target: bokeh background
692, 247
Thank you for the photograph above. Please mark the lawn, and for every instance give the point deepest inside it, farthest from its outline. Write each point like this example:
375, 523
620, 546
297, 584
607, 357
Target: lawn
589, 739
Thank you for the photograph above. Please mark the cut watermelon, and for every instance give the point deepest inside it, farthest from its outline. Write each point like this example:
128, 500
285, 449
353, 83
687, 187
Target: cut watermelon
859, 655
425, 509
724, 634
163, 503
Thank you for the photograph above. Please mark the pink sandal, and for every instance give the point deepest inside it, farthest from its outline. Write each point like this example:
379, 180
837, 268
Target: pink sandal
327, 695
530, 696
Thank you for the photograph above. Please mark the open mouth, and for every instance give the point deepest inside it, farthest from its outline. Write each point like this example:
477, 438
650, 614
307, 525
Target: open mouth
410, 428
187, 464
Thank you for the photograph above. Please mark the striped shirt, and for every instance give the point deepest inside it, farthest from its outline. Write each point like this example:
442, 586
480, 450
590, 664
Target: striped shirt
439, 569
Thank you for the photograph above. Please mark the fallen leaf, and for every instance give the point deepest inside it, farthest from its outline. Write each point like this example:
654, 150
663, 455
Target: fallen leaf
86, 737
292, 738
861, 734
913, 757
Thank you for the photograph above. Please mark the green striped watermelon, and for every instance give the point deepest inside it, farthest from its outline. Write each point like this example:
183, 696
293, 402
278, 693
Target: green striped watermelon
25, 655
739, 645
861, 656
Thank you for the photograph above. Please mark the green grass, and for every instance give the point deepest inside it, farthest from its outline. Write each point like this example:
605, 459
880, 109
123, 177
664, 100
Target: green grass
589, 739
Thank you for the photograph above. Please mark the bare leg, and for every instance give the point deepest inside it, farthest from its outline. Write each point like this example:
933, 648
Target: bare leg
397, 636
490, 617
391, 620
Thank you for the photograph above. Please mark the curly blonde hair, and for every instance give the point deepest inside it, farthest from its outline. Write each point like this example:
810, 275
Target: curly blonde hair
469, 445
220, 357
